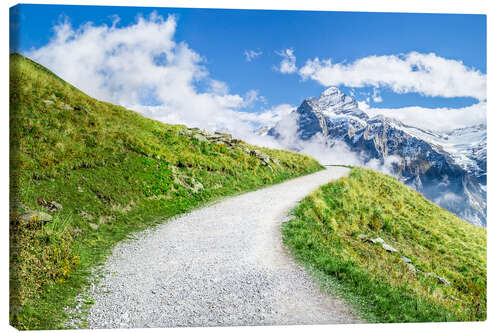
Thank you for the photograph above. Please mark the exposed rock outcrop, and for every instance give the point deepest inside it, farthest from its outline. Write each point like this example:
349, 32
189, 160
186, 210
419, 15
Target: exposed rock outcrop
449, 168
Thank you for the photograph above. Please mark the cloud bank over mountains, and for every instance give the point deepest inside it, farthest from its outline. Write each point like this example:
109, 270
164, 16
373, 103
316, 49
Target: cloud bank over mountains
435, 119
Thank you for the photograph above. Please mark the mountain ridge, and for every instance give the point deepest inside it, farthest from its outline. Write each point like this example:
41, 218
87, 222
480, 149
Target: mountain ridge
449, 168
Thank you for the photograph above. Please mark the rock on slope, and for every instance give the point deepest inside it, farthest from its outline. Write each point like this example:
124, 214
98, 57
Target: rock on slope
447, 168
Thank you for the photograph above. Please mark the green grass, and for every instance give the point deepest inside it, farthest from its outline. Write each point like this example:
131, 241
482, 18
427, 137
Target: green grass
323, 235
114, 172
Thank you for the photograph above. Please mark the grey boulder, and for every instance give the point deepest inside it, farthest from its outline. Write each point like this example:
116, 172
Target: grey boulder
32, 216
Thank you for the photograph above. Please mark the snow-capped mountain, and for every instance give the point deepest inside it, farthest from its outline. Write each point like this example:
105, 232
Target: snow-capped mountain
448, 168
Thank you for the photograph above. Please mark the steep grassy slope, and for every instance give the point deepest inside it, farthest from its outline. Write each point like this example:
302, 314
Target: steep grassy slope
334, 232
114, 172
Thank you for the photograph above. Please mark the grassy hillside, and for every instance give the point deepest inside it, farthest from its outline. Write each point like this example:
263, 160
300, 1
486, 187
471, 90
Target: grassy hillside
438, 273
102, 172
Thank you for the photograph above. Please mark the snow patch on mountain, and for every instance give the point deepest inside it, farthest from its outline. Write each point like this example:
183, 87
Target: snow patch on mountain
448, 167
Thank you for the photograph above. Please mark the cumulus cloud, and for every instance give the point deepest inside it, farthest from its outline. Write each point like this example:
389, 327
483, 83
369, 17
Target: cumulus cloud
253, 96
376, 96
436, 119
251, 54
287, 64
426, 74
339, 153
268, 117
451, 201
142, 67
364, 105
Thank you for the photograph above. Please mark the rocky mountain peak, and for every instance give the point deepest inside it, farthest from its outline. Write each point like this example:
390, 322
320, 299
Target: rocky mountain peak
331, 91
434, 163
332, 99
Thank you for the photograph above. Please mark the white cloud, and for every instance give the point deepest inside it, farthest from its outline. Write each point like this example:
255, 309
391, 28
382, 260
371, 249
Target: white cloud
363, 105
287, 64
426, 74
324, 150
252, 97
251, 54
448, 199
376, 96
268, 117
143, 68
437, 119
219, 87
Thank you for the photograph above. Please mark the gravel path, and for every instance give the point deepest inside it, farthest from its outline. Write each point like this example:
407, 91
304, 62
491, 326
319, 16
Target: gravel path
217, 266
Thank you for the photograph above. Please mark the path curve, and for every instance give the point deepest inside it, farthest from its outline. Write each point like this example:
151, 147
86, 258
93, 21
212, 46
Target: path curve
219, 265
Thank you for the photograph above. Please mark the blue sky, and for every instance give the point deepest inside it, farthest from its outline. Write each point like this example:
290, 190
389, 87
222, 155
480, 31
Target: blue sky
221, 37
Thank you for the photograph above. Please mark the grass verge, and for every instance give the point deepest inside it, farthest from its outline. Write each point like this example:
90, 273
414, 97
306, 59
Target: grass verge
114, 172
331, 230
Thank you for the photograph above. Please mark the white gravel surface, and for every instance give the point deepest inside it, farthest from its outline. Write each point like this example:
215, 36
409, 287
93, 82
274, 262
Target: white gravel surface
220, 265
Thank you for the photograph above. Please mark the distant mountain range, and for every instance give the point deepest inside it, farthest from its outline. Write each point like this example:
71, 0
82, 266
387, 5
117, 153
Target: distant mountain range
449, 168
